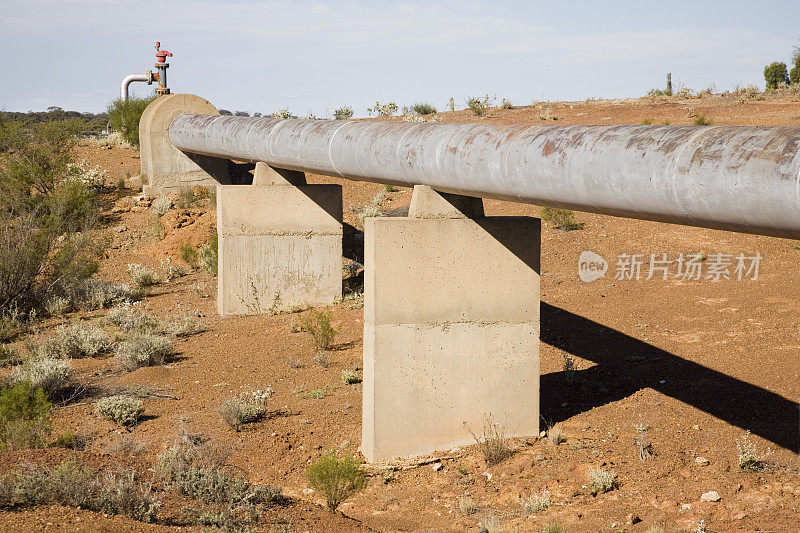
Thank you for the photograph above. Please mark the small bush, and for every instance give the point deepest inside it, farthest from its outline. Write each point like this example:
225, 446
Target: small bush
124, 117
10, 355
56, 305
318, 325
493, 444
536, 503
563, 219
283, 113
423, 108
120, 409
555, 435
93, 294
750, 460
349, 377
478, 105
343, 113
161, 205
54, 376
246, 407
601, 480
182, 325
383, 110
642, 441
143, 349
131, 318
72, 441
209, 255
702, 120
368, 212
505, 104
142, 277
75, 341
127, 446
553, 527
467, 505
24, 417
646, 122
337, 479
77, 486
189, 255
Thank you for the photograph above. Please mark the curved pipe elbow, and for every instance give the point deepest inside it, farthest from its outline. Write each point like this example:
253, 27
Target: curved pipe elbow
130, 78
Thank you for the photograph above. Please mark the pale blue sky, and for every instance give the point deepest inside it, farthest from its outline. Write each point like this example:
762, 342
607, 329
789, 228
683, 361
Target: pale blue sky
315, 56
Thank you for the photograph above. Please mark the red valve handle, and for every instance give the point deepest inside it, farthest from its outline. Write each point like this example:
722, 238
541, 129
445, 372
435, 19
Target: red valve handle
161, 55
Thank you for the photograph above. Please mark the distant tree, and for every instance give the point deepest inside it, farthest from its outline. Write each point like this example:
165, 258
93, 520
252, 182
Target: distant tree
54, 109
241, 114
225, 112
775, 75
257, 114
794, 74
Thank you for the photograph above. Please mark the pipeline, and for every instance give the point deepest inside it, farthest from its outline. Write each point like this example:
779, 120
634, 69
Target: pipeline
734, 178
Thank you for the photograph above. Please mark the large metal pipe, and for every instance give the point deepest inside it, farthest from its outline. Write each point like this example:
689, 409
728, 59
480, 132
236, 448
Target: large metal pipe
726, 177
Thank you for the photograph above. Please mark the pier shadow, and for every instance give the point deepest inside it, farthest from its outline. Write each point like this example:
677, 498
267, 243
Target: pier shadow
626, 364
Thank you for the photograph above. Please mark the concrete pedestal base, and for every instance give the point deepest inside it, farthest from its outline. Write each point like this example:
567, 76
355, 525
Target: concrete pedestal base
280, 244
164, 167
451, 326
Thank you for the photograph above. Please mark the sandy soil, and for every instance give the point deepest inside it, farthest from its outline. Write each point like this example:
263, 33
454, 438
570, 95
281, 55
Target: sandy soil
697, 362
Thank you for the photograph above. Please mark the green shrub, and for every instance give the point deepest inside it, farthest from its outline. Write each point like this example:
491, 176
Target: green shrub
10, 355
143, 349
24, 417
423, 108
74, 485
124, 117
563, 219
120, 409
318, 325
283, 113
337, 479
189, 255
702, 120
343, 113
209, 255
75, 341
52, 375
775, 75
44, 217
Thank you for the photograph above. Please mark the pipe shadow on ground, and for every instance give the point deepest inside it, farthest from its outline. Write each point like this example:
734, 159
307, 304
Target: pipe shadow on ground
626, 364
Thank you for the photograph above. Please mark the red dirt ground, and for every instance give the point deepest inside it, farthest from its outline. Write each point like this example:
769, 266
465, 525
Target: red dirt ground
697, 362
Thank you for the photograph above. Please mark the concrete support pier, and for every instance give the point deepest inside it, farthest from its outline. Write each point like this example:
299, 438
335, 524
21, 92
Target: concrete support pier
280, 243
165, 168
451, 326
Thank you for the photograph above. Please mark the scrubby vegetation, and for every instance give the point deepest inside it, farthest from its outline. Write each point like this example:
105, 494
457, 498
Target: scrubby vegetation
343, 113
143, 349
318, 325
601, 480
74, 341
750, 459
54, 376
493, 443
209, 255
336, 479
423, 108
74, 485
24, 417
124, 117
479, 106
120, 409
563, 219
45, 216
246, 407
383, 110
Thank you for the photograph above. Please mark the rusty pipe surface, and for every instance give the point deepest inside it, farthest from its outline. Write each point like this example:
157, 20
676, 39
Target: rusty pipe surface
733, 178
